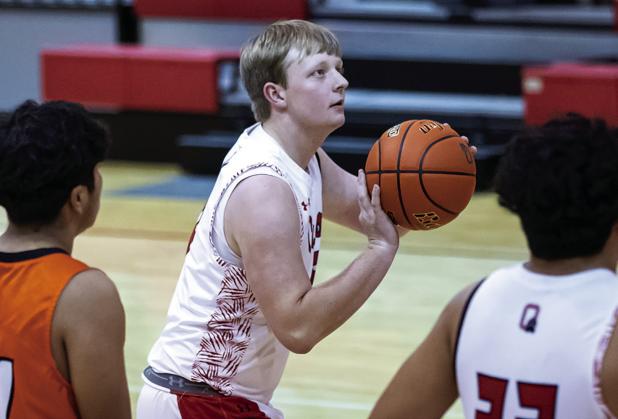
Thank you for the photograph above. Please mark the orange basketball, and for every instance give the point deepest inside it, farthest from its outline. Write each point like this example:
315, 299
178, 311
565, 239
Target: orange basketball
426, 173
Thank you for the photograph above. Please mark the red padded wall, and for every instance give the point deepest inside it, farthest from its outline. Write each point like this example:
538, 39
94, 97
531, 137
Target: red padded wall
140, 78
589, 89
224, 9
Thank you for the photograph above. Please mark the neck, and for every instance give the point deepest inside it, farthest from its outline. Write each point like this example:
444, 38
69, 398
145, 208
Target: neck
570, 266
298, 142
20, 239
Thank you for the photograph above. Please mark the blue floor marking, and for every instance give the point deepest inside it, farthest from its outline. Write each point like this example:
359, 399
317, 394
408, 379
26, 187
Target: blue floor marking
180, 187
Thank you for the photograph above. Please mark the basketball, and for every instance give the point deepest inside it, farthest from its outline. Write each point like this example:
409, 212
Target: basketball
426, 173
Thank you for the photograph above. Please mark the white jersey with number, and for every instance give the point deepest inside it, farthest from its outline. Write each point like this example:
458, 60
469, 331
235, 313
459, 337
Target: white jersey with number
531, 345
215, 331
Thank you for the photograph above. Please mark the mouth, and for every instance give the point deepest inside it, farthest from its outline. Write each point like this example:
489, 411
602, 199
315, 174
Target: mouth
338, 103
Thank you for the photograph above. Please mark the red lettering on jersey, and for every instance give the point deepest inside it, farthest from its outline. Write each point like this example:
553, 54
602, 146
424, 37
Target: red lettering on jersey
492, 390
315, 231
191, 238
194, 229
539, 396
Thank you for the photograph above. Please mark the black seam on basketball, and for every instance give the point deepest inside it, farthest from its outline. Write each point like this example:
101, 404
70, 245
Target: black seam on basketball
420, 173
425, 172
403, 140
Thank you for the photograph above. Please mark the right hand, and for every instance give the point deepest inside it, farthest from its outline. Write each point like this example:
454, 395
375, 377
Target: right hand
376, 225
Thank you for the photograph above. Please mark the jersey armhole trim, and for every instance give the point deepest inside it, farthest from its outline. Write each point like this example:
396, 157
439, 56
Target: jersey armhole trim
461, 322
245, 173
598, 363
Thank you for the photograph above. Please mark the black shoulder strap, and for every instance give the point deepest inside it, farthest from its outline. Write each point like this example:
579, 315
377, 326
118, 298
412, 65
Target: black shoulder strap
461, 322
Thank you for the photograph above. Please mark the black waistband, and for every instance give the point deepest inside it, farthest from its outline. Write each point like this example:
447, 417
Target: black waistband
179, 385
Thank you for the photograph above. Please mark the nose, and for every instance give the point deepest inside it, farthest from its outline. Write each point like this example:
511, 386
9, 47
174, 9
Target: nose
341, 83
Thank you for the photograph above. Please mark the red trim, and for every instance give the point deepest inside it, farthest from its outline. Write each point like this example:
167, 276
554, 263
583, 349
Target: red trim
212, 407
224, 9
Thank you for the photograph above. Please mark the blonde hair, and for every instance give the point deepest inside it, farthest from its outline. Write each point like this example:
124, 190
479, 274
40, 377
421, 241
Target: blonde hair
263, 59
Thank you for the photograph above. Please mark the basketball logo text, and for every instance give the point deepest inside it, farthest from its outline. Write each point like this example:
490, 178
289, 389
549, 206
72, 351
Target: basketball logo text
428, 220
394, 131
428, 126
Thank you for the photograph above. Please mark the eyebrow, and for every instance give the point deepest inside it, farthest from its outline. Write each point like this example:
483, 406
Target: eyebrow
338, 63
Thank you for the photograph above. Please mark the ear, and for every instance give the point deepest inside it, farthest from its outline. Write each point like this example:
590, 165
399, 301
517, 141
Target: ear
78, 199
274, 94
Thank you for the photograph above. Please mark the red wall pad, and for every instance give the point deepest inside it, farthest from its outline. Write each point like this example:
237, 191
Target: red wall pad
589, 89
129, 77
224, 9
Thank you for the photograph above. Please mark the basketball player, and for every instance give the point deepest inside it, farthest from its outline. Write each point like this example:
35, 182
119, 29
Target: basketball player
537, 339
245, 296
61, 322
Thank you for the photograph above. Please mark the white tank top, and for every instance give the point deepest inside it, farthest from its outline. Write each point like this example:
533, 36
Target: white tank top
215, 331
531, 345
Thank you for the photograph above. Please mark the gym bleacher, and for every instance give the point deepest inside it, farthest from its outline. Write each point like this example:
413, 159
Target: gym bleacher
164, 75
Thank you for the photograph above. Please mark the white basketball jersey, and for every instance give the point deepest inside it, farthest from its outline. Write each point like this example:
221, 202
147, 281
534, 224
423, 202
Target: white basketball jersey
215, 331
531, 345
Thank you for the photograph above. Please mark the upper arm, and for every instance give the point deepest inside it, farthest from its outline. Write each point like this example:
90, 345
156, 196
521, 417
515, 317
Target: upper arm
262, 219
92, 323
609, 374
425, 385
340, 198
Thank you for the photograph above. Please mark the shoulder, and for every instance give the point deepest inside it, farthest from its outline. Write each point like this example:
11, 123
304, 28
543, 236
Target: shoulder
454, 312
90, 284
89, 298
262, 197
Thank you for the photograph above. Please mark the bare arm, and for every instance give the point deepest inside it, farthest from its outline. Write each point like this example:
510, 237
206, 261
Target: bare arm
267, 238
609, 374
425, 386
90, 318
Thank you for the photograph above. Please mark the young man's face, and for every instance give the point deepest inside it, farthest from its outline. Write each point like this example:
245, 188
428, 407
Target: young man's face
315, 91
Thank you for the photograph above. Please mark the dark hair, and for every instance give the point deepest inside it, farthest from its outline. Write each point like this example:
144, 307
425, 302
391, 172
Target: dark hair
45, 151
562, 181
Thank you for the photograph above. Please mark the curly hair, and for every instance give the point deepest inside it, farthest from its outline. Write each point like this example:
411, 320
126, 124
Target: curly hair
561, 179
45, 151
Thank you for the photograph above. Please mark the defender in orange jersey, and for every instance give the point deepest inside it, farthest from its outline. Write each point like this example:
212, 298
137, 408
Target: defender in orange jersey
61, 322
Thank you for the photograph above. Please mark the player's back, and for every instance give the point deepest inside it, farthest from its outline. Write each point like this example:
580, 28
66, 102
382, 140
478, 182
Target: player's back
531, 345
30, 384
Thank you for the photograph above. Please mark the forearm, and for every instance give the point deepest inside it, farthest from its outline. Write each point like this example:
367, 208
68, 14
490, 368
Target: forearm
325, 307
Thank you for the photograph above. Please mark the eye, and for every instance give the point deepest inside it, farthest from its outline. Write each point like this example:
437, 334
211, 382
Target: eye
318, 72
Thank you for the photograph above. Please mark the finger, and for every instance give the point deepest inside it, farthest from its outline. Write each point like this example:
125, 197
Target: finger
474, 150
363, 196
375, 196
465, 139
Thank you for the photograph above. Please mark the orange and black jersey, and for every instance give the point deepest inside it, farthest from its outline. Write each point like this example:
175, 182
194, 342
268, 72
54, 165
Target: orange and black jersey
31, 283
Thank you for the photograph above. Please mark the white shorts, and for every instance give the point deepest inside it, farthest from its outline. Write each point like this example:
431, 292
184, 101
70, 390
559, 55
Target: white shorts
157, 404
